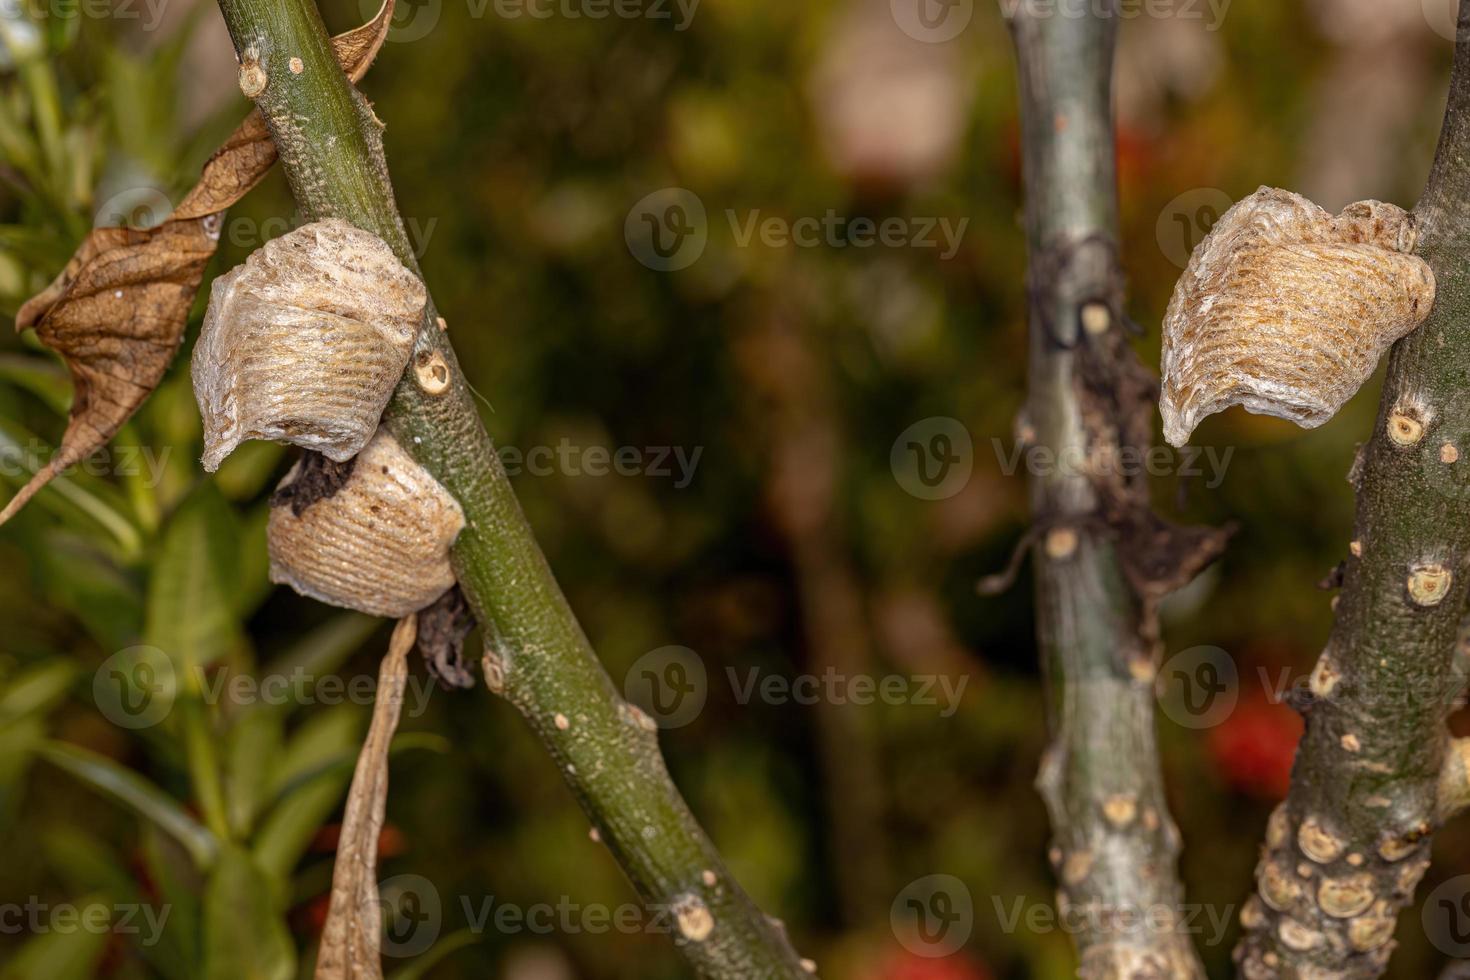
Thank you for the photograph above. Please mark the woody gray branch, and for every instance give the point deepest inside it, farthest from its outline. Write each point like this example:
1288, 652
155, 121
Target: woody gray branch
1104, 558
1284, 309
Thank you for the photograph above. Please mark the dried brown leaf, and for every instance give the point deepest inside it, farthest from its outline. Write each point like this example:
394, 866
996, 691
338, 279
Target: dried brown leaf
116, 314
349, 948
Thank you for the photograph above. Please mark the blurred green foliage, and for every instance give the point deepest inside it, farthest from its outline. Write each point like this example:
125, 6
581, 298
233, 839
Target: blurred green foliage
518, 146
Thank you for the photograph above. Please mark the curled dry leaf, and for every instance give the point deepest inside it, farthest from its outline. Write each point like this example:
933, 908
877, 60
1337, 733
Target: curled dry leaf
379, 544
1285, 309
305, 342
349, 948
116, 314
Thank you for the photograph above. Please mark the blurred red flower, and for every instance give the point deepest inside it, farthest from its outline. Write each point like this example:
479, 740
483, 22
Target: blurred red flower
1254, 748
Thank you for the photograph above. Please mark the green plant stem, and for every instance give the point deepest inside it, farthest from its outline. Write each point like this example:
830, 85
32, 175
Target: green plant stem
536, 653
1114, 845
1346, 850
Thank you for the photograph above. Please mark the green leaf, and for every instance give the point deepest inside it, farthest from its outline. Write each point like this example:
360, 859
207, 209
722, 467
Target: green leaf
43, 377
72, 572
61, 954
191, 595
37, 690
83, 501
245, 937
436, 954
284, 835
177, 954
253, 746
18, 742
322, 651
136, 793
85, 863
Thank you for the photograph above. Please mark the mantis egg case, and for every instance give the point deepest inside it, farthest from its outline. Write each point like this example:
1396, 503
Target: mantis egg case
305, 342
379, 543
1285, 309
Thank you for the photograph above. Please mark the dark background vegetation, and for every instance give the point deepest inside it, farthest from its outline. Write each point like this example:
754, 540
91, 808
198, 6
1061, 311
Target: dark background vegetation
518, 146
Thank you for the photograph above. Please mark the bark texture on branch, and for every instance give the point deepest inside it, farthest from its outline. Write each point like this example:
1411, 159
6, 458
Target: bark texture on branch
1104, 559
537, 656
1346, 850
